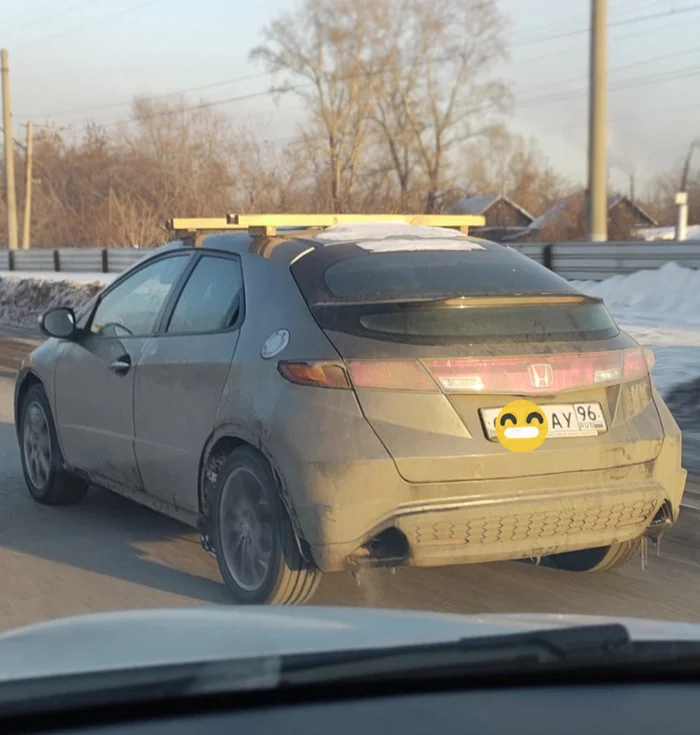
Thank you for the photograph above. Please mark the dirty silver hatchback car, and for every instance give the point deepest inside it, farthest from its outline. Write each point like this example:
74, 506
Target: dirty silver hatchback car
323, 400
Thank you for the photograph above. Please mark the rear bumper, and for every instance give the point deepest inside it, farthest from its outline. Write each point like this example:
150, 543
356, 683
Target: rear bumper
487, 521
347, 508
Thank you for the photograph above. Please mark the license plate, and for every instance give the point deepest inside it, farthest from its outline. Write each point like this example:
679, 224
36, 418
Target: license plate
565, 420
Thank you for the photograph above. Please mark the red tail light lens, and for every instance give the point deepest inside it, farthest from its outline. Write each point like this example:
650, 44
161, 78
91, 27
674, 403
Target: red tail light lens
521, 375
391, 375
538, 374
319, 374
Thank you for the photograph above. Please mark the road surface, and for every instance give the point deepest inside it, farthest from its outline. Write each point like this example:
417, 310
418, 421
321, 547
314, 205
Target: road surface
110, 554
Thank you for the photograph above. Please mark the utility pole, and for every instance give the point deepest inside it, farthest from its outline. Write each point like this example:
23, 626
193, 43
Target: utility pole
597, 138
26, 230
682, 195
9, 153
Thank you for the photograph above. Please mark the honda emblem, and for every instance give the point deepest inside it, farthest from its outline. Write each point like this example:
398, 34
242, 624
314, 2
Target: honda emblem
541, 376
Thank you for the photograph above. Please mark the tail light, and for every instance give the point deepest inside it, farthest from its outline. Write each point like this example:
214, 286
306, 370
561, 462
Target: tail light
320, 374
521, 375
539, 374
391, 375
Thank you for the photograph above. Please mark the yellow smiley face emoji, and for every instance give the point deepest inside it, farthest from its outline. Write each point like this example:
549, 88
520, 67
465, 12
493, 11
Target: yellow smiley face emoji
521, 426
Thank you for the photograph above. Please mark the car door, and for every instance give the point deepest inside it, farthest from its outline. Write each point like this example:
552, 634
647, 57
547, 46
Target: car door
94, 376
181, 376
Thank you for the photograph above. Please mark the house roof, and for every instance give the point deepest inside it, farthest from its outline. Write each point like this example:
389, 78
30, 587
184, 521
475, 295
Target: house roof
481, 203
555, 212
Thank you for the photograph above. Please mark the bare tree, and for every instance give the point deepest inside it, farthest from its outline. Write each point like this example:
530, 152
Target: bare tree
509, 164
436, 88
320, 52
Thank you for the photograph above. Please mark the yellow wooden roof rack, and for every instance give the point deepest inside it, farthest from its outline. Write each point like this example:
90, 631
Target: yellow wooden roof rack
267, 224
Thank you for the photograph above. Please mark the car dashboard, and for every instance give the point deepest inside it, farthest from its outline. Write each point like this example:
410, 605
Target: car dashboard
539, 710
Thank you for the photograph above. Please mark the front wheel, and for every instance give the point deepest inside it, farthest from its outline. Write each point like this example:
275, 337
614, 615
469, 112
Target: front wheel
600, 559
48, 481
255, 544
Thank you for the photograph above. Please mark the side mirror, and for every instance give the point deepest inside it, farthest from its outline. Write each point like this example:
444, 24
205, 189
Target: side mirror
59, 322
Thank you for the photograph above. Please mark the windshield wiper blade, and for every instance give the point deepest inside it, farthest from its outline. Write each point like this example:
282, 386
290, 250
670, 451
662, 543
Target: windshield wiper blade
501, 653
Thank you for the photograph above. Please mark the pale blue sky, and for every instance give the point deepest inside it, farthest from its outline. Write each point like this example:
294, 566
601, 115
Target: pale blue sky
74, 60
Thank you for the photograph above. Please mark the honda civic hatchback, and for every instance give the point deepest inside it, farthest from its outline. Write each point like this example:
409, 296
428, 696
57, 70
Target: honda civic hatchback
320, 400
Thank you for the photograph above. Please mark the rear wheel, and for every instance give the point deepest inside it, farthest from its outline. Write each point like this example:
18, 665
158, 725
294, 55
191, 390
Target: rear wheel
255, 544
600, 559
48, 481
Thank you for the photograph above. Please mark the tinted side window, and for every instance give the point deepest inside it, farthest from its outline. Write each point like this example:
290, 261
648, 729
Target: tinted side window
132, 307
210, 299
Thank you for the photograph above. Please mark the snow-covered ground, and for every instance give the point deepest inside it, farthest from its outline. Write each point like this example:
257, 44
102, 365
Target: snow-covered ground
103, 278
661, 309
24, 296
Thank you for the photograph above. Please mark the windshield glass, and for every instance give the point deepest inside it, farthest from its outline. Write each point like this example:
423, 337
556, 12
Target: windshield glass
346, 306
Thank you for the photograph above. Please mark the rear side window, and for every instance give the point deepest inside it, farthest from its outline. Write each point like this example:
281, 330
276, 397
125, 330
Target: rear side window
395, 297
211, 298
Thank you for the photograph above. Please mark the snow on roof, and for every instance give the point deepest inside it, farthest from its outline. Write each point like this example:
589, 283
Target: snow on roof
480, 203
552, 215
472, 204
395, 236
667, 233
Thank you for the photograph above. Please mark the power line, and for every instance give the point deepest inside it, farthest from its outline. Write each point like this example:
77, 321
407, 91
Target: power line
213, 85
614, 24
546, 99
67, 31
617, 69
175, 93
39, 17
268, 92
623, 84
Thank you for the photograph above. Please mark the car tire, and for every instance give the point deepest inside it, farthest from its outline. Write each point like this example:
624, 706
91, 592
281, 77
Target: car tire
599, 559
256, 547
47, 479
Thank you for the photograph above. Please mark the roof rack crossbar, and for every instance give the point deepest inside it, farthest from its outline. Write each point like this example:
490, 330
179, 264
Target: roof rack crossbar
267, 224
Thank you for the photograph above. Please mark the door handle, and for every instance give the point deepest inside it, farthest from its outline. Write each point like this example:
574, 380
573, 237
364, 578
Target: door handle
121, 365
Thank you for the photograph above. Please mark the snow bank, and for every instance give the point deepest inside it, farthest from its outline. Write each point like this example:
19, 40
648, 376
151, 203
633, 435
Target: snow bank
670, 294
660, 309
23, 299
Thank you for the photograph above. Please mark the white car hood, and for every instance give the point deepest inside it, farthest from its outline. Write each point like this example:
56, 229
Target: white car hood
134, 639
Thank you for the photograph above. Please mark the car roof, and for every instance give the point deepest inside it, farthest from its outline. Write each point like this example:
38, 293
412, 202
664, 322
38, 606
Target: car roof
288, 245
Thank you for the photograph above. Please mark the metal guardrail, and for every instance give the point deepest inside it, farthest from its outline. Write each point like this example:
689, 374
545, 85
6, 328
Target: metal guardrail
571, 260
72, 260
582, 261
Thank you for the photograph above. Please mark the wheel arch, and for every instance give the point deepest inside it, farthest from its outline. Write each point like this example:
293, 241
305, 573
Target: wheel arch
220, 444
24, 382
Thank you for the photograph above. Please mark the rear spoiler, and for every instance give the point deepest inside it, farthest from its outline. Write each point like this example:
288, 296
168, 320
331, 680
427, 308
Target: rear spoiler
470, 302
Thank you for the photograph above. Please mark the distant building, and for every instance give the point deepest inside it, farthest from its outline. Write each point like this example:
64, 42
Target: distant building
504, 218
566, 220
667, 233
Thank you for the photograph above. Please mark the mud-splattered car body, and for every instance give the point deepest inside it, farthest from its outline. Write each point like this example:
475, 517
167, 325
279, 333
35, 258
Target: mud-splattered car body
371, 404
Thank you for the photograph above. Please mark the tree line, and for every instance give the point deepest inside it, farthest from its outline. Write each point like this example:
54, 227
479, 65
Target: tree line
405, 110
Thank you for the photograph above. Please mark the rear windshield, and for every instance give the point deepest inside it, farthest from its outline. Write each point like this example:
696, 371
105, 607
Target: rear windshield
346, 273
378, 296
522, 323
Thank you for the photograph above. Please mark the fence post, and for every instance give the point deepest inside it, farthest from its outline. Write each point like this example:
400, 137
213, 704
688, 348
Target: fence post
547, 256
11, 259
105, 260
56, 261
